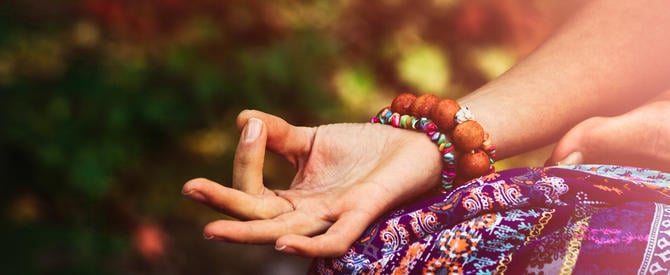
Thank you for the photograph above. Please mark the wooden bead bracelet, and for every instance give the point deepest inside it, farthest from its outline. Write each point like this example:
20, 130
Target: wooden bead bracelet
466, 149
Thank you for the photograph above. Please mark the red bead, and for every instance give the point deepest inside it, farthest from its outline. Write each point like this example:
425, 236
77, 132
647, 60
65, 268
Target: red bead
423, 105
401, 104
395, 120
431, 127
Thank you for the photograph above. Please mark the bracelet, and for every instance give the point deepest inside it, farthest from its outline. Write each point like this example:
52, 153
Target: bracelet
466, 149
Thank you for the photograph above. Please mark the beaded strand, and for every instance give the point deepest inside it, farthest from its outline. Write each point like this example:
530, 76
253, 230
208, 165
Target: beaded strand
446, 148
464, 136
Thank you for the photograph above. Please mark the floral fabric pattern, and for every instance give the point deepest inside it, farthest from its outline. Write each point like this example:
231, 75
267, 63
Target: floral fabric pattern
581, 219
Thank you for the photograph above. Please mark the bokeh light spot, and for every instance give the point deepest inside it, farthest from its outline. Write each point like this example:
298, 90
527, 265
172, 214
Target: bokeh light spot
356, 87
424, 67
493, 61
210, 143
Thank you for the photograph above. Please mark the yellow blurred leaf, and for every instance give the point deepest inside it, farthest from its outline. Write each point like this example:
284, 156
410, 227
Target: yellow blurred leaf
85, 34
425, 67
493, 61
210, 143
356, 87
24, 209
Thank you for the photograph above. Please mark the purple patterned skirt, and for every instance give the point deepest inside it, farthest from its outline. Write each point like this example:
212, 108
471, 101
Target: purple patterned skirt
579, 219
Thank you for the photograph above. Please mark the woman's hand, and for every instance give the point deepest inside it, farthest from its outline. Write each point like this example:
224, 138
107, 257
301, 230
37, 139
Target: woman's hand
640, 137
347, 175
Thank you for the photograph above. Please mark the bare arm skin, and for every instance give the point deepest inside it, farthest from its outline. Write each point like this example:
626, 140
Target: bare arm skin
610, 57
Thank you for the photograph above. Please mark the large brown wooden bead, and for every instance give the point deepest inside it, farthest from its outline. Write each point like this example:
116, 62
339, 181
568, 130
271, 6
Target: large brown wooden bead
443, 114
423, 105
402, 103
473, 164
468, 135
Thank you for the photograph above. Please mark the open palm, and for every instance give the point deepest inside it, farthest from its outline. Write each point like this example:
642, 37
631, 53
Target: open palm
347, 175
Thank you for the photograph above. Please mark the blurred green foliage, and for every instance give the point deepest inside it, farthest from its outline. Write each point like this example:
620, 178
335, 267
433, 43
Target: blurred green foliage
107, 107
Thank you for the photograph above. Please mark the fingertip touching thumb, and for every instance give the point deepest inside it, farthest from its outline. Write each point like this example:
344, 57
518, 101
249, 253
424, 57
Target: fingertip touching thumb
570, 149
571, 159
282, 137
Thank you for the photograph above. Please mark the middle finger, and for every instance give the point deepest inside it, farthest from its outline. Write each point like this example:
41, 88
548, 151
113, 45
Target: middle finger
266, 231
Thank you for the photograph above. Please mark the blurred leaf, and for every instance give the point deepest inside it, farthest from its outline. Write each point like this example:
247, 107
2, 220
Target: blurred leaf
355, 86
493, 61
89, 173
425, 67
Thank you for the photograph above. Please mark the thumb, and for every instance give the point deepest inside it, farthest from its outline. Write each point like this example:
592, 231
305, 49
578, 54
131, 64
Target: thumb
636, 138
291, 142
575, 145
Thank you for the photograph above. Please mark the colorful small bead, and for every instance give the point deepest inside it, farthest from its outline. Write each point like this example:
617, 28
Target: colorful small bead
405, 120
442, 139
430, 127
448, 157
422, 123
395, 120
446, 147
414, 123
384, 115
434, 136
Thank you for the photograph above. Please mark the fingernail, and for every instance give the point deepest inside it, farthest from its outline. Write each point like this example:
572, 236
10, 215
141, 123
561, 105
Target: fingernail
195, 195
286, 249
549, 162
214, 238
252, 130
572, 159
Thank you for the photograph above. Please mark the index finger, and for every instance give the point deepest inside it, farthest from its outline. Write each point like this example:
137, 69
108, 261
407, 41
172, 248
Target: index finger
291, 142
235, 202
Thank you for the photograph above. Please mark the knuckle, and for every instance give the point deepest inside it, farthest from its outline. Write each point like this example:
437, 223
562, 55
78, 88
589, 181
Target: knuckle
242, 118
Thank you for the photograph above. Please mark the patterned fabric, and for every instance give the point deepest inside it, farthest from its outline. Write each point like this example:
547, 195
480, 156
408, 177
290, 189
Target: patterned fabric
556, 220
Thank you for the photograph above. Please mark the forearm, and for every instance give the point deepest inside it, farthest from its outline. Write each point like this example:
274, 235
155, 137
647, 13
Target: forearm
611, 56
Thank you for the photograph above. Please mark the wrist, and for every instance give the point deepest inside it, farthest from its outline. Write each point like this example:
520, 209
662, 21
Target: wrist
467, 151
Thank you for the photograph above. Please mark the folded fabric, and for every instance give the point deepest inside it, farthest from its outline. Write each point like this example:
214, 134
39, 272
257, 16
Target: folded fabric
589, 219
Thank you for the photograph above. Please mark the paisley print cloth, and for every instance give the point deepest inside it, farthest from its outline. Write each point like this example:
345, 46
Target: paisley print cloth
550, 220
